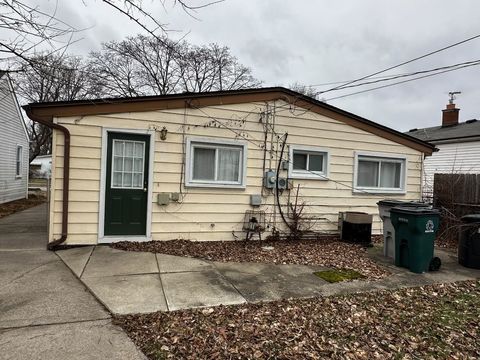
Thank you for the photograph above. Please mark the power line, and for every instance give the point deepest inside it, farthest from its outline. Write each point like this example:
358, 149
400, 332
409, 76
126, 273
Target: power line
344, 81
402, 63
401, 82
436, 71
393, 77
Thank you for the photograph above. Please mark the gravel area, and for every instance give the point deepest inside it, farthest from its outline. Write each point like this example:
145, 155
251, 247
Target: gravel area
328, 252
431, 322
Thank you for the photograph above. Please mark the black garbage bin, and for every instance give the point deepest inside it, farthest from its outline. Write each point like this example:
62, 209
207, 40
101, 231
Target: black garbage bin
469, 244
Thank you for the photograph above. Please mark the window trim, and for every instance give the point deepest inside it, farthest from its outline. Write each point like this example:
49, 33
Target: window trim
402, 159
19, 161
306, 174
205, 141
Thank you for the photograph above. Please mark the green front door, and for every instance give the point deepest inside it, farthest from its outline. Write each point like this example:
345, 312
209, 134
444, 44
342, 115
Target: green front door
126, 192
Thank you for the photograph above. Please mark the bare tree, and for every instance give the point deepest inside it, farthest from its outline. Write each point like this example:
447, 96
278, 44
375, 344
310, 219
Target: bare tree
27, 28
137, 66
304, 90
144, 65
54, 78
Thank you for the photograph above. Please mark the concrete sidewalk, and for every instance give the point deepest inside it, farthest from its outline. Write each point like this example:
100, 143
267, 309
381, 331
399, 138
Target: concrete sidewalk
135, 282
140, 282
45, 311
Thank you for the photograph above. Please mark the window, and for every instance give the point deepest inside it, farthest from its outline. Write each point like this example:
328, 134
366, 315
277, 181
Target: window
308, 162
128, 164
18, 166
215, 163
380, 174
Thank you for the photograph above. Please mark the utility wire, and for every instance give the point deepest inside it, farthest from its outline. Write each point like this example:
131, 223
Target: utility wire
403, 63
400, 82
393, 77
436, 71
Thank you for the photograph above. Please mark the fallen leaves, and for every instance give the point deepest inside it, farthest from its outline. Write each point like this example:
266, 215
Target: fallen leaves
22, 204
327, 251
437, 321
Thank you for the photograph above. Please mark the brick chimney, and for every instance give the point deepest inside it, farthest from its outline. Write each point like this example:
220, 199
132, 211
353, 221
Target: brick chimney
450, 115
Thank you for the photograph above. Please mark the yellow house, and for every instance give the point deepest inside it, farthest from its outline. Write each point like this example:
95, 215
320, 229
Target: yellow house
189, 166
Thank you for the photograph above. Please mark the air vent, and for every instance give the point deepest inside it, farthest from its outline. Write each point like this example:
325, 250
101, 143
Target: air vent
412, 130
470, 121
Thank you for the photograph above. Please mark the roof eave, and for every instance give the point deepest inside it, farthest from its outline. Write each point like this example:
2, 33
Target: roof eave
175, 101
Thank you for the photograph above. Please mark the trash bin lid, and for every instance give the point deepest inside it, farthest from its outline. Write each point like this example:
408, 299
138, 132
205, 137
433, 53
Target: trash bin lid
402, 203
415, 210
471, 218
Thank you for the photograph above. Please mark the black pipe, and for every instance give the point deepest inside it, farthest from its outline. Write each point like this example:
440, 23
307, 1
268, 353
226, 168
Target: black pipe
276, 182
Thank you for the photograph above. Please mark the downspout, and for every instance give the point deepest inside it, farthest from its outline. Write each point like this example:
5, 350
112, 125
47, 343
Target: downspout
48, 122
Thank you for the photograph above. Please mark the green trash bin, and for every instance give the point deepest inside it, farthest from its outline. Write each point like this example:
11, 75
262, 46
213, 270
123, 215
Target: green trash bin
415, 231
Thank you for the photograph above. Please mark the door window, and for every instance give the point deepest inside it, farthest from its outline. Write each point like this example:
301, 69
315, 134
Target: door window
128, 164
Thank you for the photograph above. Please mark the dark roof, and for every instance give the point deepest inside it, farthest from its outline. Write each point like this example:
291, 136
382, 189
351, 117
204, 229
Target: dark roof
455, 133
172, 101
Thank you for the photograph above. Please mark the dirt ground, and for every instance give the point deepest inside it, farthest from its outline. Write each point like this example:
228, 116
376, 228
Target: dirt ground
12, 207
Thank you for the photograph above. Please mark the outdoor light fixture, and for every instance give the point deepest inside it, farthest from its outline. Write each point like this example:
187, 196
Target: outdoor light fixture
163, 133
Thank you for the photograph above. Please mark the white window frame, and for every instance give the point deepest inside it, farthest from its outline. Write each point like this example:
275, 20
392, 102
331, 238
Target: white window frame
307, 174
18, 162
205, 142
380, 156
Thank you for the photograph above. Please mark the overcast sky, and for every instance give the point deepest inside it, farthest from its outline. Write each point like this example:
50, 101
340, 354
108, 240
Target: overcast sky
315, 42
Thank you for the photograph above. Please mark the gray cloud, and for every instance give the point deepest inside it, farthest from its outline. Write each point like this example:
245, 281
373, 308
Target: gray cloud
314, 42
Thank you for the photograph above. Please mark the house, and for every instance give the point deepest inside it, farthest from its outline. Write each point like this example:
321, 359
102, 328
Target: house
14, 145
41, 166
458, 145
190, 165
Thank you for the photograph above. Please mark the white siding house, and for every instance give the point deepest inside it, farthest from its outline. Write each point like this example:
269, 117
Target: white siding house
458, 145
43, 166
13, 145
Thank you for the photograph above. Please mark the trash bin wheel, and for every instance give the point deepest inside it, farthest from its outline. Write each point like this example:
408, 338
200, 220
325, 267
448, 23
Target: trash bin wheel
435, 264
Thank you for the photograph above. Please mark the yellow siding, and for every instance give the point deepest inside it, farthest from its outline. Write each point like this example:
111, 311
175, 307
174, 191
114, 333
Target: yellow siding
213, 213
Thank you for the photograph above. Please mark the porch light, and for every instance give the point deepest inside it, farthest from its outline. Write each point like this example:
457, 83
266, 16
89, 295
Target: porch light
163, 133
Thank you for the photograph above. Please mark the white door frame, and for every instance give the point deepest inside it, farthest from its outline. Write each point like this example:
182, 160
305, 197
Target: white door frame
102, 239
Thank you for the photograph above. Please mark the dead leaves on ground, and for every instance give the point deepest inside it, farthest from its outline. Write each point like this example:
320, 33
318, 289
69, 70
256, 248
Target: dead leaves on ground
328, 252
437, 321
13, 207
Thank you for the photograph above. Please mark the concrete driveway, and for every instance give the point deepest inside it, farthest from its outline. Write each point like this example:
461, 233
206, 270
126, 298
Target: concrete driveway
45, 311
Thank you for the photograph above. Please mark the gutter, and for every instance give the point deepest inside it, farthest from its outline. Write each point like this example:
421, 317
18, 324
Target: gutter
48, 122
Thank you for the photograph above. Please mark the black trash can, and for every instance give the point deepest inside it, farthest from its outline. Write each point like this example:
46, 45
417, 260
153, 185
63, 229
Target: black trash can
469, 244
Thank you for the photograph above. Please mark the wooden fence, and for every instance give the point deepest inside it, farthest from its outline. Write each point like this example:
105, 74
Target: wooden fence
459, 193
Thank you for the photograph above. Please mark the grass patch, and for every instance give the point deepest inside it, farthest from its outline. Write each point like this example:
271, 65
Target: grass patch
334, 276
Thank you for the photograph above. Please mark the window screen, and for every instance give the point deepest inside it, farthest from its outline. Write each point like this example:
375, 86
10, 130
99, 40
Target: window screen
128, 164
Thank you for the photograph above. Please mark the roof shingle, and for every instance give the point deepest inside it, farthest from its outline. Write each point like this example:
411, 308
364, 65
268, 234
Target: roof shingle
459, 133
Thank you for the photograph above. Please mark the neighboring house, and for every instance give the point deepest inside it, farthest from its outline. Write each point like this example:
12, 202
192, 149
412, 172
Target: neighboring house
13, 145
190, 165
41, 166
458, 145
